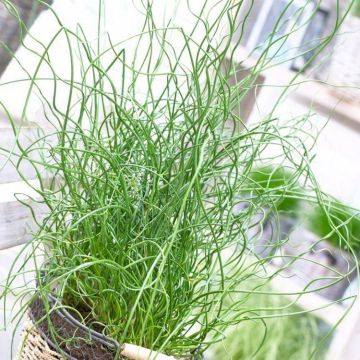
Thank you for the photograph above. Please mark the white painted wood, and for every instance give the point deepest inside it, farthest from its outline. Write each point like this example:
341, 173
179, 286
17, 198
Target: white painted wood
8, 171
16, 223
16, 258
135, 352
10, 192
345, 344
328, 311
9, 151
7, 257
314, 94
327, 99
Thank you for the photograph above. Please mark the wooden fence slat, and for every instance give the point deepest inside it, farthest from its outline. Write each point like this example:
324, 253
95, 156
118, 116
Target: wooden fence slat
16, 223
345, 343
8, 172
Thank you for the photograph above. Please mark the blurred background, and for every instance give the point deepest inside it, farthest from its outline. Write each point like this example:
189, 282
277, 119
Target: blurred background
327, 92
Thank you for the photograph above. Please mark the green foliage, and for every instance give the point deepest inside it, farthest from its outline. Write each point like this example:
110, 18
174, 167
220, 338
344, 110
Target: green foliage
336, 223
278, 183
356, 8
290, 337
333, 221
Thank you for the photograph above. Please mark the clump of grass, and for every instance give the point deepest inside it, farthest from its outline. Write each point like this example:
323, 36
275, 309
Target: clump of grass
294, 337
141, 230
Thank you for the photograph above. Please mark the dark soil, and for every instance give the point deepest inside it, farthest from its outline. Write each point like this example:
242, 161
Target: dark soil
73, 341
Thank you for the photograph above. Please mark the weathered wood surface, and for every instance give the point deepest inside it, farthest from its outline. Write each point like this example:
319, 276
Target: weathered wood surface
16, 222
9, 151
10, 29
327, 310
345, 343
245, 107
7, 257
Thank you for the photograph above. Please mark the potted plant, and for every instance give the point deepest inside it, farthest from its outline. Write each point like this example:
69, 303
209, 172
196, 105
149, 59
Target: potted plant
276, 180
142, 247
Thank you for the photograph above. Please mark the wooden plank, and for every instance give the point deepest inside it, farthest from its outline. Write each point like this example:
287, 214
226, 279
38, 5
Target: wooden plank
328, 100
345, 344
314, 94
16, 223
28, 134
245, 107
8, 171
331, 312
327, 310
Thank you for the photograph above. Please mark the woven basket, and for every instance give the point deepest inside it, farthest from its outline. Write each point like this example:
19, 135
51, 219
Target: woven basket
34, 347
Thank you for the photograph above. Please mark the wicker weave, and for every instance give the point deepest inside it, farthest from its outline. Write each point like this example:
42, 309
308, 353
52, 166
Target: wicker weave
34, 347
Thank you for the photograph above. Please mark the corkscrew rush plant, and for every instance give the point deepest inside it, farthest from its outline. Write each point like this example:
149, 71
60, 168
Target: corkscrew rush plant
143, 236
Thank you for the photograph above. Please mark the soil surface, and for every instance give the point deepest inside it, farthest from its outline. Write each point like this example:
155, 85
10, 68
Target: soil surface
73, 341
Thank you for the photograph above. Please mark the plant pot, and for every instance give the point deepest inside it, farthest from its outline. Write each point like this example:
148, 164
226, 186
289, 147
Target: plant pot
86, 343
